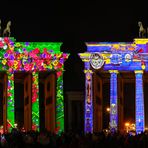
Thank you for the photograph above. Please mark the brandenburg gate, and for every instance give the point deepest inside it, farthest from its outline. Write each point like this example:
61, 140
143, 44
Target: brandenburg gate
114, 58
32, 59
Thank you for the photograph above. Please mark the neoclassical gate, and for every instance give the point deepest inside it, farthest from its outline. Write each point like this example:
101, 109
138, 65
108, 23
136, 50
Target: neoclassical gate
114, 58
33, 57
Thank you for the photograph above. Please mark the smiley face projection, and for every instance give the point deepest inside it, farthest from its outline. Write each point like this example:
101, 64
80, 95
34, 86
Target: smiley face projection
96, 60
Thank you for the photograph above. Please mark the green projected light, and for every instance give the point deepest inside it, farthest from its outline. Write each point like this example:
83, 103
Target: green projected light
33, 57
28, 46
59, 103
35, 101
10, 101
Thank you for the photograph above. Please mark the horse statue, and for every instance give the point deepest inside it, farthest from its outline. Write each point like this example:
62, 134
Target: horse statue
0, 27
7, 31
142, 30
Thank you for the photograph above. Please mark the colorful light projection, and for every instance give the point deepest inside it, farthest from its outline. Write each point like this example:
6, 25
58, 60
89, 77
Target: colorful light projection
33, 57
10, 102
120, 57
140, 122
35, 101
88, 101
59, 103
113, 101
96, 61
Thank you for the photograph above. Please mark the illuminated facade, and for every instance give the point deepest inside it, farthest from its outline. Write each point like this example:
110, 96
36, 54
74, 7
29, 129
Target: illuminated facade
114, 58
32, 58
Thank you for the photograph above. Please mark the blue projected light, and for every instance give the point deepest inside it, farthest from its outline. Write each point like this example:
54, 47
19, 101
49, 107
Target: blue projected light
113, 101
117, 56
139, 102
88, 100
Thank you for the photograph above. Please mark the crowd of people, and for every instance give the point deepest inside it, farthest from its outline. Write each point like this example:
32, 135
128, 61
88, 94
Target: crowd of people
44, 139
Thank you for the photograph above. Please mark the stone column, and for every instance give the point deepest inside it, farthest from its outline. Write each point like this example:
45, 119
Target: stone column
113, 101
88, 119
10, 102
97, 103
140, 121
120, 104
35, 101
59, 102
50, 102
27, 102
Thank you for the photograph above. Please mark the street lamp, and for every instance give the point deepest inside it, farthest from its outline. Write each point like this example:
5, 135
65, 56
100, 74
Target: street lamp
107, 115
15, 125
108, 109
1, 129
127, 126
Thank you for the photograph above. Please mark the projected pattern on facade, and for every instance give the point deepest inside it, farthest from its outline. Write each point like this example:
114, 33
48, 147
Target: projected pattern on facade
117, 57
32, 57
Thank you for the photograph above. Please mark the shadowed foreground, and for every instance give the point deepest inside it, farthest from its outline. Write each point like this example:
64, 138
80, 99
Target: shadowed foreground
32, 139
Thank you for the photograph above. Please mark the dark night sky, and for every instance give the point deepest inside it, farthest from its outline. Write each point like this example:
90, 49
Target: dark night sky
73, 24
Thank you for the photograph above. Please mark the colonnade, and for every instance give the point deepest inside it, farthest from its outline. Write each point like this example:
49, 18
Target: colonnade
31, 102
115, 123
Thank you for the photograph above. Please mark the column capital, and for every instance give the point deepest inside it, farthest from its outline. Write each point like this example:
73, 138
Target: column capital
85, 60
88, 71
85, 56
114, 71
138, 71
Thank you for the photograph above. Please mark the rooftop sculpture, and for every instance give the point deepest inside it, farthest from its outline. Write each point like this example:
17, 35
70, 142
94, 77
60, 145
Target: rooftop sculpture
6, 31
142, 31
